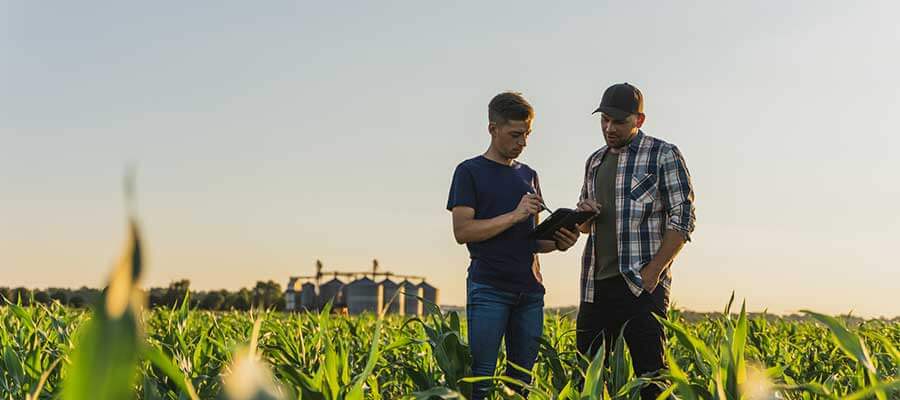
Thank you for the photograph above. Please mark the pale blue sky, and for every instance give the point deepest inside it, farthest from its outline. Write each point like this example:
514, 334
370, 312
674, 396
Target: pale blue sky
268, 135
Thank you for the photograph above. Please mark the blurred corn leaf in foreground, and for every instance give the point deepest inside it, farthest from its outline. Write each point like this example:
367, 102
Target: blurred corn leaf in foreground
105, 358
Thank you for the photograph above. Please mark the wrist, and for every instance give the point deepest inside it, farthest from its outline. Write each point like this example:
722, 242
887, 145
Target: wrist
653, 267
513, 217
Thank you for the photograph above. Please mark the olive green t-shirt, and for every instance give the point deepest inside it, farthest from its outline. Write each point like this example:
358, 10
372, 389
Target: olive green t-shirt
605, 244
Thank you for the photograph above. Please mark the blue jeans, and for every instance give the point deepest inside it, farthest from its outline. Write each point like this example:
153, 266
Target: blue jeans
493, 314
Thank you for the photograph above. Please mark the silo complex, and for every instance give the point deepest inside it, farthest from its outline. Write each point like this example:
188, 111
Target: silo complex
364, 295
390, 290
430, 294
360, 292
331, 291
411, 292
308, 296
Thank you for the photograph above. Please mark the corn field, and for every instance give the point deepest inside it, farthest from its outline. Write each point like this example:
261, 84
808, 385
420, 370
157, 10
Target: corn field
120, 350
52, 352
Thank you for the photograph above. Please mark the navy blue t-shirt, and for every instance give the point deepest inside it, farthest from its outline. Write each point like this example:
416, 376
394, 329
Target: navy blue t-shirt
492, 189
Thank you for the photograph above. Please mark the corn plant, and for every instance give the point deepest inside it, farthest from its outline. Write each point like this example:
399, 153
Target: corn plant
118, 349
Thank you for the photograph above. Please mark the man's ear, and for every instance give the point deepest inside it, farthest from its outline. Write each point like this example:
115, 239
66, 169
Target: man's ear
639, 120
492, 128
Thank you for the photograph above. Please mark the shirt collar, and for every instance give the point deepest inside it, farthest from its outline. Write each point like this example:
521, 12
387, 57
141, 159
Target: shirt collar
633, 146
635, 143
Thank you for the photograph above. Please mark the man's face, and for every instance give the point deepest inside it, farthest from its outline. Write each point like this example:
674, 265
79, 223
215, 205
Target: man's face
619, 132
510, 138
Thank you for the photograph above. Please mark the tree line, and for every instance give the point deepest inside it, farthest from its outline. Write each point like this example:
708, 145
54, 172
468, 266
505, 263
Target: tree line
266, 294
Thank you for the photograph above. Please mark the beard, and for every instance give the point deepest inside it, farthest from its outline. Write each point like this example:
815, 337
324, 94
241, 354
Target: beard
617, 142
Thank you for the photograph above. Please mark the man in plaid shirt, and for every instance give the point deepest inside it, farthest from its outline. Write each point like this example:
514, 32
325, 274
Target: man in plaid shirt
641, 190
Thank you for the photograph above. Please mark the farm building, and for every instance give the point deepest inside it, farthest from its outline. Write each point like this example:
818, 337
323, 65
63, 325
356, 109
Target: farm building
369, 291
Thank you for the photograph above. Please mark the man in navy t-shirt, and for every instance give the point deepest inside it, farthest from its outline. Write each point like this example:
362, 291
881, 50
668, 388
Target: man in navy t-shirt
495, 201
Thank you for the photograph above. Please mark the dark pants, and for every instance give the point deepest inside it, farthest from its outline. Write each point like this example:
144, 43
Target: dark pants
613, 305
493, 314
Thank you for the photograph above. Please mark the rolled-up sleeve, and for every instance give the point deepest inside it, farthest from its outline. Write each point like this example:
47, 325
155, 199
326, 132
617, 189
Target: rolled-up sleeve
678, 192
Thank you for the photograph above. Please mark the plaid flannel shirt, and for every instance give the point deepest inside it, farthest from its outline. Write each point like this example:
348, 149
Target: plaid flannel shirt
653, 194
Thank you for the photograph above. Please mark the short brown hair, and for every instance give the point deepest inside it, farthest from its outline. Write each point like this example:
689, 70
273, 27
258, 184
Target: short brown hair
509, 106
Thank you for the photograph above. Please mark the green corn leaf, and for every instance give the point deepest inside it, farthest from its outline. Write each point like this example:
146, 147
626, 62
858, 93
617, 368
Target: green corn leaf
874, 389
23, 315
333, 386
441, 393
594, 384
356, 392
848, 341
105, 359
680, 379
703, 356
104, 362
161, 360
621, 369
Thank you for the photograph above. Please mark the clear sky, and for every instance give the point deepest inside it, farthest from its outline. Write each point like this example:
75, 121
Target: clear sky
271, 134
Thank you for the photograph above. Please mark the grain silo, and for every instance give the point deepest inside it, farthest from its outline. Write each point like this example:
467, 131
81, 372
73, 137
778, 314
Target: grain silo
308, 296
410, 290
364, 295
377, 291
331, 291
390, 289
430, 294
290, 295
343, 296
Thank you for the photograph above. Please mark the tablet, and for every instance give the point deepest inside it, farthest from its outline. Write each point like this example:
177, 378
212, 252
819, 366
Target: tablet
561, 218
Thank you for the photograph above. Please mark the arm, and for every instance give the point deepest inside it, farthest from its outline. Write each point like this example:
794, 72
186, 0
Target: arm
461, 203
672, 242
467, 229
677, 193
678, 204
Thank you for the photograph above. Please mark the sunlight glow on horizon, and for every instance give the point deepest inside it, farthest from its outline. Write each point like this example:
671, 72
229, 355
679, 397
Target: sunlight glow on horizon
269, 136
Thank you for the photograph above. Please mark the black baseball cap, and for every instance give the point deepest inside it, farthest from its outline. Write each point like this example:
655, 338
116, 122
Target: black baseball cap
621, 100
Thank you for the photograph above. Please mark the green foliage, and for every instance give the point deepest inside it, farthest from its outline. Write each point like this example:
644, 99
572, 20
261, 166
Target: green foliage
119, 349
185, 354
